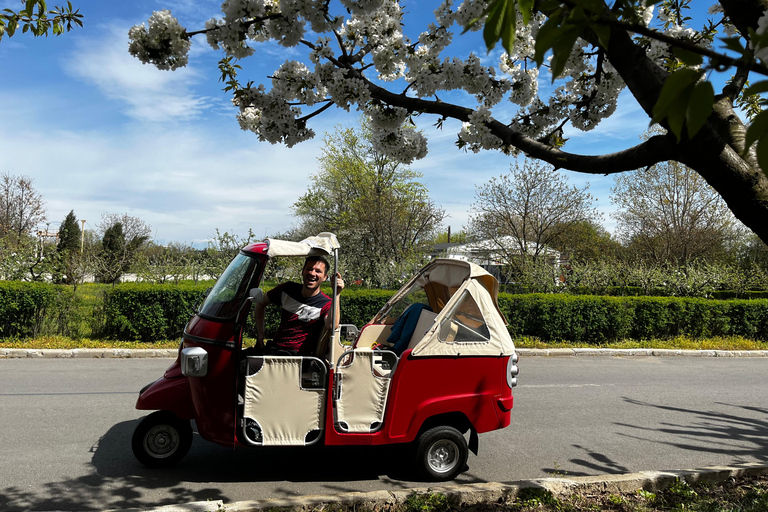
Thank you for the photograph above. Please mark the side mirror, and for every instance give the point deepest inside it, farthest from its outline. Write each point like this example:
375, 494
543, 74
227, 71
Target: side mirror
194, 362
348, 334
256, 295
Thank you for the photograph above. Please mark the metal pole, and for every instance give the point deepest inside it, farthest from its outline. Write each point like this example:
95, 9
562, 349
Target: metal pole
82, 237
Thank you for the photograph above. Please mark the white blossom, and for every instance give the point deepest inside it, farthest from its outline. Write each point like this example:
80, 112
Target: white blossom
165, 44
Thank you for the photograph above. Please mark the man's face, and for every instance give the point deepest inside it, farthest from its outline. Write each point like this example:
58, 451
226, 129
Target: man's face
313, 274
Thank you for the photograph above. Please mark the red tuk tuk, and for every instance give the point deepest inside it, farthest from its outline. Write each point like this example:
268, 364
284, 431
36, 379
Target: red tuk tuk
450, 372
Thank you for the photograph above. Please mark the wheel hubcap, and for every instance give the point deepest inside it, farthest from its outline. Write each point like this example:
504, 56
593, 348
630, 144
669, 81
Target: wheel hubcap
443, 456
161, 441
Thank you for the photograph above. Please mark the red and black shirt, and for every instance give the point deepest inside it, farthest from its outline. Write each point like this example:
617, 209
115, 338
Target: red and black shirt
301, 319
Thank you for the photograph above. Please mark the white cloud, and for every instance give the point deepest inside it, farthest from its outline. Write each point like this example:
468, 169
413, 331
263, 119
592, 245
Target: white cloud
147, 93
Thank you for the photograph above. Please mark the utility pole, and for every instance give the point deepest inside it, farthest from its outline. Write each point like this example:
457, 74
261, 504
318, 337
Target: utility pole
82, 237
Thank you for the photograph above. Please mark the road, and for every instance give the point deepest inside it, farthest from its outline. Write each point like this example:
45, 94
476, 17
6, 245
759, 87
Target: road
66, 426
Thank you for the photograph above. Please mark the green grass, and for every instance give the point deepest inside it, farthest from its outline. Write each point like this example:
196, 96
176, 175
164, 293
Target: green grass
678, 343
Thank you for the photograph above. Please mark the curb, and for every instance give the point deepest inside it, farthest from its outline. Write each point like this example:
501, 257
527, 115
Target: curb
86, 353
473, 494
117, 353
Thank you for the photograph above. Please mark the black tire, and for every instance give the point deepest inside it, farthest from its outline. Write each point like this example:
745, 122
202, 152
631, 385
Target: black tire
161, 439
441, 454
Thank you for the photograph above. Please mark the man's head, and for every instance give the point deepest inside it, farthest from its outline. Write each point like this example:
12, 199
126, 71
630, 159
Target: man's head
314, 272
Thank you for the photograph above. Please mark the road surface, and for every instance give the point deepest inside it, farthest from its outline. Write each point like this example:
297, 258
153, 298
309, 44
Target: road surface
66, 426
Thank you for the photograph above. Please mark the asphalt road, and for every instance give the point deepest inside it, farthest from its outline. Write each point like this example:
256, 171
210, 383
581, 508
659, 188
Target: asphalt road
65, 429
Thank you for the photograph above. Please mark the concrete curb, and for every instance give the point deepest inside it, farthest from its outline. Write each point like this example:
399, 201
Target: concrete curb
86, 353
471, 494
117, 353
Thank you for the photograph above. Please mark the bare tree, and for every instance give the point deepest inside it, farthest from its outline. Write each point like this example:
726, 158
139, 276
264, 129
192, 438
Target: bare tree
524, 212
668, 213
21, 207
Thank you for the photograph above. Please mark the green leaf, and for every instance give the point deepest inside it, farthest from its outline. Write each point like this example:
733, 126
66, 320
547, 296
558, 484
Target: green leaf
30, 7
757, 128
687, 57
561, 51
676, 114
757, 88
548, 33
733, 44
762, 152
699, 107
494, 23
603, 33
509, 26
526, 9
671, 90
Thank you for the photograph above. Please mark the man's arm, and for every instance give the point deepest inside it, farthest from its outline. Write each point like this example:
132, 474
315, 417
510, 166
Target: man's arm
258, 319
337, 311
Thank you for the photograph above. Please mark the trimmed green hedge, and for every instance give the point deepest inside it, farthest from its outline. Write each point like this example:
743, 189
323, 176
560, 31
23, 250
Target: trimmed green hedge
23, 307
594, 319
153, 312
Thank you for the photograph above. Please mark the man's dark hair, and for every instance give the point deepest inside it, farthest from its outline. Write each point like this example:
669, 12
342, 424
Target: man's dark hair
315, 259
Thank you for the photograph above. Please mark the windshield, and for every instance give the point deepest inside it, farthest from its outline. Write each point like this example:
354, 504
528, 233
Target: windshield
227, 296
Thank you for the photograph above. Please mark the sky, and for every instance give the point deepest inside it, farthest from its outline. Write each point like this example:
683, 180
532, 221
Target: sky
101, 133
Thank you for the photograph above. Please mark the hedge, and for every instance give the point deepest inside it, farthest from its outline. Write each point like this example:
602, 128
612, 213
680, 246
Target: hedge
146, 312
155, 312
23, 307
596, 319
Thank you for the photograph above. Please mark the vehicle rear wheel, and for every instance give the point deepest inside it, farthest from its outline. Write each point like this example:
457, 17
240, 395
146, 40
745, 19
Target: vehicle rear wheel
441, 453
161, 439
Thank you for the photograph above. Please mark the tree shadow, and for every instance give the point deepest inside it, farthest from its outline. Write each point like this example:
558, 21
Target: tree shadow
596, 461
116, 480
742, 437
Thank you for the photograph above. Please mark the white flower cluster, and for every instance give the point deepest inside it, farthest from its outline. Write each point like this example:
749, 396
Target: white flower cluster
475, 135
165, 44
368, 44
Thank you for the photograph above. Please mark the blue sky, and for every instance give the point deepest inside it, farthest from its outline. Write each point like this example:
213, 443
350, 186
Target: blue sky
101, 133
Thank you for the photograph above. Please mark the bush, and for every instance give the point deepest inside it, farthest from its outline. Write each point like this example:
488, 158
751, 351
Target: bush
23, 307
595, 319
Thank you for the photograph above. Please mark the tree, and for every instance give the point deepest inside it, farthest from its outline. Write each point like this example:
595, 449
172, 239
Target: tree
382, 215
524, 212
597, 49
122, 238
21, 207
69, 248
586, 241
668, 213
38, 20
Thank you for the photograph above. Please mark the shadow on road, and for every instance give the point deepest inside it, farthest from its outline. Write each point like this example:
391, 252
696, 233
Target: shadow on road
743, 437
117, 480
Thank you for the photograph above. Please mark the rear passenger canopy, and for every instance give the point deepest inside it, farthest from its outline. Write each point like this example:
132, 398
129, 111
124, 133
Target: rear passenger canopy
468, 321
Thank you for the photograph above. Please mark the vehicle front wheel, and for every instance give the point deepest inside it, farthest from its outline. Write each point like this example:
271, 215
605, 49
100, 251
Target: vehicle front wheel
161, 439
441, 453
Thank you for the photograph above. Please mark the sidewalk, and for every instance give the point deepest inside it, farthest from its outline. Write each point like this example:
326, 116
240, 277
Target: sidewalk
116, 353
474, 494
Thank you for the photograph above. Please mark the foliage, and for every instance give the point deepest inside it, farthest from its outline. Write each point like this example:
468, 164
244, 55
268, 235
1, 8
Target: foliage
37, 19
593, 50
69, 249
123, 237
585, 240
668, 212
172, 263
521, 214
23, 306
378, 209
426, 502
595, 319
21, 207
221, 250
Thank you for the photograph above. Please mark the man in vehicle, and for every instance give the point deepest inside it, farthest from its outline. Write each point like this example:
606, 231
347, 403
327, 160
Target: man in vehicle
304, 311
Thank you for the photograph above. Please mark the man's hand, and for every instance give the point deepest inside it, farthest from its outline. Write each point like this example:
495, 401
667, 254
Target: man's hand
339, 283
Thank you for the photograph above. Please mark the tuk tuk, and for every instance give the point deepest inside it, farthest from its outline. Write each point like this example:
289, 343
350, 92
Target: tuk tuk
434, 368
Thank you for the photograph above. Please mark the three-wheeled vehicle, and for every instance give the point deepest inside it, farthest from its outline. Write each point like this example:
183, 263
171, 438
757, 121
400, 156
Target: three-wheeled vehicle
435, 366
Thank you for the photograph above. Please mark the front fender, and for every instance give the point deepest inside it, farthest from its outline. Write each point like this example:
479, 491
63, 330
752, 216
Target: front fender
167, 394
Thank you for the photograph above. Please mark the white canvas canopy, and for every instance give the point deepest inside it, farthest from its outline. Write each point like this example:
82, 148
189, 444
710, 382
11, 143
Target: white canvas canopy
321, 245
468, 321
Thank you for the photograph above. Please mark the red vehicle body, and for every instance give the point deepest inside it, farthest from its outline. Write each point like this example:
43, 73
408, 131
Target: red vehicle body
431, 401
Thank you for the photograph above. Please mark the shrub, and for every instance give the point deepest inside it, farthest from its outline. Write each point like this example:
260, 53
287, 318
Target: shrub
23, 307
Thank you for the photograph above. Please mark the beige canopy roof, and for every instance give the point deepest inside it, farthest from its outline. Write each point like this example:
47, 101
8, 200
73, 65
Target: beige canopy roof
321, 245
465, 298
